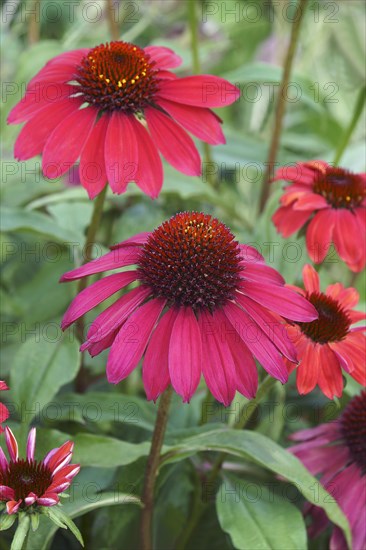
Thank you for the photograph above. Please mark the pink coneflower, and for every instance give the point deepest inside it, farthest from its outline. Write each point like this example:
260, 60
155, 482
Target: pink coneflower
115, 107
25, 483
337, 452
204, 305
4, 413
333, 201
329, 344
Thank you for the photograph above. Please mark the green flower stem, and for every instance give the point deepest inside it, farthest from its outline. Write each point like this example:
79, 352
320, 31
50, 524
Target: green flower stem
20, 539
196, 65
152, 468
82, 377
245, 415
281, 104
360, 103
34, 22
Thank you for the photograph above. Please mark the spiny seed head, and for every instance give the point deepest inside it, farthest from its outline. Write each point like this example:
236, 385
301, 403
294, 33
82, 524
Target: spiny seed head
340, 188
191, 260
26, 476
117, 76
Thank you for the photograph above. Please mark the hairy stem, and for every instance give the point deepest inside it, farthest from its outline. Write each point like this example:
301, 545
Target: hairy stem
281, 104
152, 470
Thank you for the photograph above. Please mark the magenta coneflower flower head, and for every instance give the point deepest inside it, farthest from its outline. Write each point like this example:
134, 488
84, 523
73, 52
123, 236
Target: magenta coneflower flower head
331, 203
26, 484
115, 107
329, 344
4, 412
204, 304
337, 452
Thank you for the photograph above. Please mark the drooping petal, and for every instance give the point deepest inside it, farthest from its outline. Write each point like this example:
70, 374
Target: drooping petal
164, 58
281, 300
6, 493
155, 367
259, 273
149, 176
173, 142
319, 235
218, 365
138, 239
66, 142
307, 372
92, 171
96, 293
131, 341
121, 153
346, 228
310, 201
287, 221
120, 257
12, 506
31, 443
200, 91
311, 279
11, 444
201, 122
330, 378
185, 354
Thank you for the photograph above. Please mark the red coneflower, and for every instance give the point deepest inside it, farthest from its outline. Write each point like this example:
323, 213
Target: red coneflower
204, 304
329, 344
4, 413
334, 200
28, 482
337, 451
116, 107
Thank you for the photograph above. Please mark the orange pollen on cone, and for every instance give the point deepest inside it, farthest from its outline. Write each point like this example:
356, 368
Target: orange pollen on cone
340, 188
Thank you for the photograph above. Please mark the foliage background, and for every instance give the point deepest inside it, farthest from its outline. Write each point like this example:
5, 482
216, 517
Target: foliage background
43, 227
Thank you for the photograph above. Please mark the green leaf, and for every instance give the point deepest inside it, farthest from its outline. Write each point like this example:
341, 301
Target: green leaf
6, 521
17, 219
57, 516
256, 518
265, 452
40, 369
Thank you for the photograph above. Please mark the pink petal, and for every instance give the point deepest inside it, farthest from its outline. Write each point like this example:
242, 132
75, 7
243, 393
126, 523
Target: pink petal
121, 153
319, 235
287, 220
4, 415
48, 499
281, 300
115, 315
259, 273
201, 122
185, 354
66, 142
30, 499
36, 132
99, 346
92, 169
37, 98
311, 201
31, 443
67, 472
250, 255
259, 344
164, 58
3, 385
131, 341
95, 294
307, 373
138, 239
200, 91
330, 378
311, 279
271, 325
173, 142
346, 228
3, 461
155, 368
11, 444
300, 173
347, 297
58, 455
120, 257
13, 506
6, 493
149, 175
218, 365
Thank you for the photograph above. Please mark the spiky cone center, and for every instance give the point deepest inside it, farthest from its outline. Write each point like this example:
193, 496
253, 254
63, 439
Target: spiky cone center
26, 476
191, 260
333, 322
117, 76
340, 188
353, 427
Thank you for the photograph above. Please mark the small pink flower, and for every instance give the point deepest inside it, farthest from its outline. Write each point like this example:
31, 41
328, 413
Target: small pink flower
204, 304
337, 452
4, 413
28, 482
329, 344
331, 203
115, 107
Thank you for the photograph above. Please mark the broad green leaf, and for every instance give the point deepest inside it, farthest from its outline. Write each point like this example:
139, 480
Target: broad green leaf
39, 370
256, 518
265, 452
